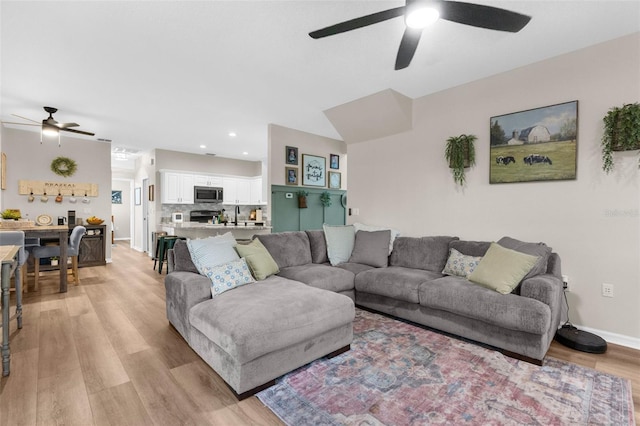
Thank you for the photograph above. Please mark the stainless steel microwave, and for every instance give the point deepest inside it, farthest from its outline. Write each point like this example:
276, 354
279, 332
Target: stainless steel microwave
207, 194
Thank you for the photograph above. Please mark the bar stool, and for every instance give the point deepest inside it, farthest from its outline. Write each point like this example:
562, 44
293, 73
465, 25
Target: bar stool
164, 244
16, 238
73, 250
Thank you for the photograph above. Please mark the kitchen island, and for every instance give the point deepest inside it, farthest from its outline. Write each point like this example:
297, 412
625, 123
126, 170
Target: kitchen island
202, 230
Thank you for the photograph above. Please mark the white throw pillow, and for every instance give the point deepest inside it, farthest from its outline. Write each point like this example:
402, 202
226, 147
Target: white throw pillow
394, 232
212, 251
340, 242
460, 264
228, 276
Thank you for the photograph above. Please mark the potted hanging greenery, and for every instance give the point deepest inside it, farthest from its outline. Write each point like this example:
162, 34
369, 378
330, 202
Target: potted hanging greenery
302, 199
460, 153
325, 199
621, 132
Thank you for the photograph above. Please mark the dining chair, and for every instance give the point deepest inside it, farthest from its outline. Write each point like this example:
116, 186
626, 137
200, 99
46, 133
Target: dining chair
50, 251
16, 238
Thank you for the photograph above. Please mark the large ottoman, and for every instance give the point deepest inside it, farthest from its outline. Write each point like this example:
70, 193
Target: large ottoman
255, 333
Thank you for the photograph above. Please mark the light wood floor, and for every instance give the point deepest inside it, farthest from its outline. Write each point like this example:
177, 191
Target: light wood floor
104, 353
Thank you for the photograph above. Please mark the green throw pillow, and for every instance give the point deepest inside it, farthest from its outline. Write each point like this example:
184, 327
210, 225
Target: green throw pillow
260, 261
502, 269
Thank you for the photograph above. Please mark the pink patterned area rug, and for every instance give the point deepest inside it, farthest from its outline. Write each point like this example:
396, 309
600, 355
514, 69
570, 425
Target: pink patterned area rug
400, 374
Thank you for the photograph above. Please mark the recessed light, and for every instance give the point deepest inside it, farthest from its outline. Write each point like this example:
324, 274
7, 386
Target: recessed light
232, 134
203, 146
245, 153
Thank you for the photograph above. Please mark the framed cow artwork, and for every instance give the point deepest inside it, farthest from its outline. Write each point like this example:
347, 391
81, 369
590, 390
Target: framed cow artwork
534, 145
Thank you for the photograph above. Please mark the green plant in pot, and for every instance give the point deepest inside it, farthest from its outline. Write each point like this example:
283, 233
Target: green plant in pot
621, 132
460, 153
302, 199
325, 199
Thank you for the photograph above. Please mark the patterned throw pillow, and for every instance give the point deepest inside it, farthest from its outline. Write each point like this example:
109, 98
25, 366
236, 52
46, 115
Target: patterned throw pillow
228, 276
212, 251
460, 264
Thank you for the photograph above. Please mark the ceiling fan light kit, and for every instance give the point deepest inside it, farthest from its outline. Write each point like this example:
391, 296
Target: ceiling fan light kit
420, 13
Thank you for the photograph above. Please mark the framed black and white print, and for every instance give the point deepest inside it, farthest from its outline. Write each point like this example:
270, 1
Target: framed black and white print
291, 155
538, 144
291, 175
116, 197
314, 170
334, 161
335, 180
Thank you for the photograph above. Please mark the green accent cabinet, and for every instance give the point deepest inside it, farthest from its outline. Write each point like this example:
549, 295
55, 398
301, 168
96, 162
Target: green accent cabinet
287, 216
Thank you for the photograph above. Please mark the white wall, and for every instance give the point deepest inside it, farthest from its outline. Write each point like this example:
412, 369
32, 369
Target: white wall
27, 159
593, 222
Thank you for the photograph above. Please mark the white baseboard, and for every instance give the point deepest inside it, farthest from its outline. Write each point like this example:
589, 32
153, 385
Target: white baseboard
108, 260
617, 339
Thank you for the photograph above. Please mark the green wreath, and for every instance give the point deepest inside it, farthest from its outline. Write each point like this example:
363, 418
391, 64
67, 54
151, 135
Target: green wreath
63, 166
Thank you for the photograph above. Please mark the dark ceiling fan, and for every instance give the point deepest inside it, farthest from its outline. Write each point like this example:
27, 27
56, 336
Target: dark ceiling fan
50, 126
420, 13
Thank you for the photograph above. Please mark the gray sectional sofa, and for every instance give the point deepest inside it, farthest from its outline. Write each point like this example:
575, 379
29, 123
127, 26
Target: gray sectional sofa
411, 286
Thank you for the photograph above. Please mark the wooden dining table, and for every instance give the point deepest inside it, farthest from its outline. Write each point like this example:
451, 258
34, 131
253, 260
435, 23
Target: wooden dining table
61, 232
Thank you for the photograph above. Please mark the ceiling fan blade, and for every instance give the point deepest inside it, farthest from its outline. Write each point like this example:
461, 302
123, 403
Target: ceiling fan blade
408, 46
360, 22
66, 125
20, 124
25, 118
478, 15
81, 132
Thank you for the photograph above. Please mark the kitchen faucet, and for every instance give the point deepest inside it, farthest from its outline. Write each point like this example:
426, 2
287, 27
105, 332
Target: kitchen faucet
236, 211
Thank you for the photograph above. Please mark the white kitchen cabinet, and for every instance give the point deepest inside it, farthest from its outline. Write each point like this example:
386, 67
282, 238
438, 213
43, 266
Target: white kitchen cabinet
257, 196
207, 180
177, 188
237, 190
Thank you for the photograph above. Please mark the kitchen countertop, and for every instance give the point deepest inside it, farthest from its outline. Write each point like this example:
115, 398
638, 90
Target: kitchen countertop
196, 225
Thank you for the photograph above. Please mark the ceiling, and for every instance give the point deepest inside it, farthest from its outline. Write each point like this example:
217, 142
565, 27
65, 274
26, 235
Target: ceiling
177, 75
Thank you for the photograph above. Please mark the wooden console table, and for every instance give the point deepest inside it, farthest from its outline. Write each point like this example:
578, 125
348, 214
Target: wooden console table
9, 259
61, 232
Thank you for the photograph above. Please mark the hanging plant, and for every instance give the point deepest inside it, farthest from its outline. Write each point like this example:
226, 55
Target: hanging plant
63, 166
621, 132
325, 199
460, 153
302, 199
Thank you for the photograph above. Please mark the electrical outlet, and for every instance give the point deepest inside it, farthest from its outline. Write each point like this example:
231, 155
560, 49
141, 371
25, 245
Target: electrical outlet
607, 290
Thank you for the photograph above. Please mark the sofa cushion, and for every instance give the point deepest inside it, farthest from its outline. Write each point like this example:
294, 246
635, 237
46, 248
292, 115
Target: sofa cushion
182, 258
396, 282
470, 248
371, 248
269, 315
340, 241
393, 233
320, 276
356, 268
318, 246
287, 248
541, 250
260, 261
460, 264
228, 276
458, 296
502, 269
428, 253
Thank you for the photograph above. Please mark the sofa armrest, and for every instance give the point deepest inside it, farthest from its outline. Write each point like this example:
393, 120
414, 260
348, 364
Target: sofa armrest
184, 290
548, 289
